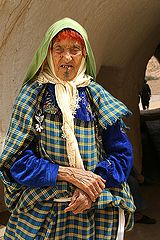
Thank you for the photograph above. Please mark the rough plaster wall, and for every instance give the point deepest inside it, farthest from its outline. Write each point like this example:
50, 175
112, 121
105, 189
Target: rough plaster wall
128, 81
123, 34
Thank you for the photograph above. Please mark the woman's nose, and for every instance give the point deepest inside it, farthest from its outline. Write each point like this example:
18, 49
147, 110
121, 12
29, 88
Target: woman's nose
67, 56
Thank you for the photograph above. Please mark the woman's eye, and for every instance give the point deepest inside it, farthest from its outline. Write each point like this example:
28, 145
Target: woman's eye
58, 50
75, 50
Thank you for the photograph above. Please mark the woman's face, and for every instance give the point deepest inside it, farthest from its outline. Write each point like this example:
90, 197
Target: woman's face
67, 56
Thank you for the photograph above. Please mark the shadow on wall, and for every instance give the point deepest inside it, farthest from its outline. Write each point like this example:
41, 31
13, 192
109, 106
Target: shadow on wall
150, 133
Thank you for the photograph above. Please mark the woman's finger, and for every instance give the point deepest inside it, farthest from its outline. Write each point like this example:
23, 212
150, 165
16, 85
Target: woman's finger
82, 203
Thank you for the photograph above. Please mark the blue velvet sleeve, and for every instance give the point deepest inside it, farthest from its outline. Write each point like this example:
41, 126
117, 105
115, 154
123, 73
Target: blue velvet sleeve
29, 170
116, 167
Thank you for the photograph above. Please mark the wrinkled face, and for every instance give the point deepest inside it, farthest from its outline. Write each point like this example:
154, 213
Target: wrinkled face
67, 56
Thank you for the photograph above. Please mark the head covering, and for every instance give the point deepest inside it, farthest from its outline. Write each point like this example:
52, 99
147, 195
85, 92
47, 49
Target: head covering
42, 51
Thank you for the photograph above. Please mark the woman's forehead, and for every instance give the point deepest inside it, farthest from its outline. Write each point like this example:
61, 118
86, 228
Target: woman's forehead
69, 35
66, 42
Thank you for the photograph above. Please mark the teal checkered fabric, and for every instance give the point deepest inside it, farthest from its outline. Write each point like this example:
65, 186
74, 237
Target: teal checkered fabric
108, 108
35, 215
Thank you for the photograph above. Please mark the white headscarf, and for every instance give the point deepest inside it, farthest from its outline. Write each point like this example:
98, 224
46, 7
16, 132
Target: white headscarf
67, 98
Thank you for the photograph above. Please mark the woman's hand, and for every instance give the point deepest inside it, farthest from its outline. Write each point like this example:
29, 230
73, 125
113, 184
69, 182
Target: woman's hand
79, 203
92, 184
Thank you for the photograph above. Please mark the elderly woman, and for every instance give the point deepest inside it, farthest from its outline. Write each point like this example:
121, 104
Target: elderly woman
66, 157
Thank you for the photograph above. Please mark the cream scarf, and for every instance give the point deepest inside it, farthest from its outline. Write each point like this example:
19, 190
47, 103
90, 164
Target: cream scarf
67, 98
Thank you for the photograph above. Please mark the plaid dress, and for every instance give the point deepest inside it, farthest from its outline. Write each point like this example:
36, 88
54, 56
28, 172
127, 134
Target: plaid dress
34, 214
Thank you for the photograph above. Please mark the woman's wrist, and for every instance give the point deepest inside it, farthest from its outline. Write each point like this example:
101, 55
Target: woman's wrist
65, 174
71, 175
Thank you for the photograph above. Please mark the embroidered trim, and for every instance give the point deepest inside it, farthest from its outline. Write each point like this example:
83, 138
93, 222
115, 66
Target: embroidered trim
39, 118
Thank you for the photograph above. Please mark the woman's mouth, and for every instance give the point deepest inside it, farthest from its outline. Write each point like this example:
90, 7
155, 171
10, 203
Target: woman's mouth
68, 67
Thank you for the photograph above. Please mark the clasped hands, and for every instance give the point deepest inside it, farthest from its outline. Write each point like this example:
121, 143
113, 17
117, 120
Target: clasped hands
89, 187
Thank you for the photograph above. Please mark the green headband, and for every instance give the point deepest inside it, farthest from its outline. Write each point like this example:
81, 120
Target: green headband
41, 53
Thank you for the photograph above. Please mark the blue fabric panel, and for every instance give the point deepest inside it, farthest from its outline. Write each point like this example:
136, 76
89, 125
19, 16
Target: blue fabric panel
116, 168
83, 112
29, 170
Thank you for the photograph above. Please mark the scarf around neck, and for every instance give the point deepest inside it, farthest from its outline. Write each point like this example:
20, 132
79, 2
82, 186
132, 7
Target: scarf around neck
67, 98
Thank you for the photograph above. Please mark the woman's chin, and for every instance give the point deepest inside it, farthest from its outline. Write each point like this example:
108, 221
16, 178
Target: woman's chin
66, 77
